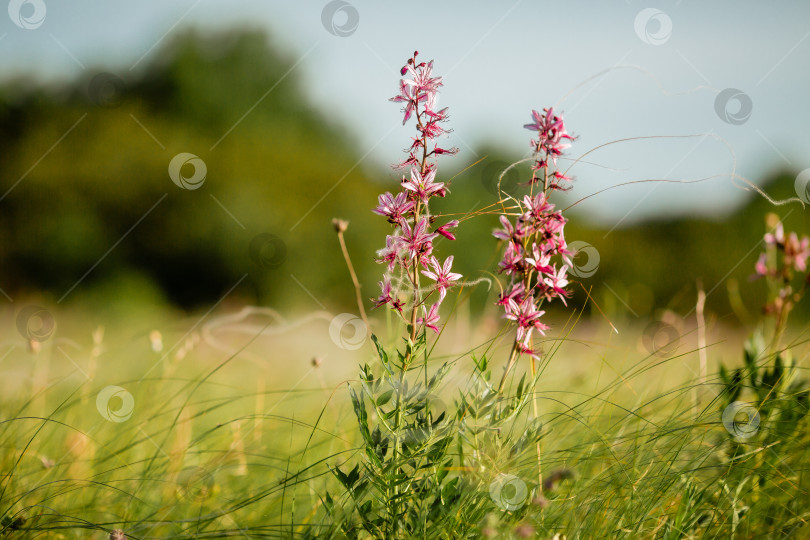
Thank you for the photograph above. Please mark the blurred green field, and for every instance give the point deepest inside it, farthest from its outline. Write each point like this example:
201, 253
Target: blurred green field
236, 417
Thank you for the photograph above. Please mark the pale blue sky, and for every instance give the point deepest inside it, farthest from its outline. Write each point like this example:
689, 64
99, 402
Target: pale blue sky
500, 60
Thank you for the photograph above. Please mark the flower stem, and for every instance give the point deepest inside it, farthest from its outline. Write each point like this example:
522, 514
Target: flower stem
534, 408
512, 357
355, 281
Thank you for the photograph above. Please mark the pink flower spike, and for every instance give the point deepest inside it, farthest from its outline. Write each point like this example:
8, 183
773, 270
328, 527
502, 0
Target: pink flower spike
551, 133
431, 318
449, 225
442, 275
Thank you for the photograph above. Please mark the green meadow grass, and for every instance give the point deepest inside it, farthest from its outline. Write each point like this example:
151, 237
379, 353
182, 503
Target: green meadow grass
235, 431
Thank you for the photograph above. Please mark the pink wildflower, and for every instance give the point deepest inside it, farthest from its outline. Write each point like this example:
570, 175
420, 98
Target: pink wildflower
540, 261
416, 239
385, 295
557, 281
777, 237
430, 318
394, 208
423, 186
449, 225
510, 300
761, 266
528, 318
442, 275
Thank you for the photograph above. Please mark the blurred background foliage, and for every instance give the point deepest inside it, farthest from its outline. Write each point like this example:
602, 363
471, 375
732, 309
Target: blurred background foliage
84, 162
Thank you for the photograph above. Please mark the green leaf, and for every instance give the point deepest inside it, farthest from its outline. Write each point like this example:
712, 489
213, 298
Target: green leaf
342, 478
362, 415
380, 350
384, 398
438, 376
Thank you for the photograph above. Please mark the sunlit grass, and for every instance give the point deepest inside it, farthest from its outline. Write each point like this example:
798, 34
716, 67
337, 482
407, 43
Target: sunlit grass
240, 444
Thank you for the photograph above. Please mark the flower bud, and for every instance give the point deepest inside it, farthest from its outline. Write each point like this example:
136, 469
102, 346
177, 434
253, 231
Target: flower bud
340, 225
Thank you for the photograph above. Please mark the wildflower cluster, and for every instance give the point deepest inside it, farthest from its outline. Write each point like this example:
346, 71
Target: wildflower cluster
535, 244
550, 143
410, 248
783, 256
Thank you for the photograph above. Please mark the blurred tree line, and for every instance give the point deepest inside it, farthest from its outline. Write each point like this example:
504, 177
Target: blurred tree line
89, 213
270, 157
